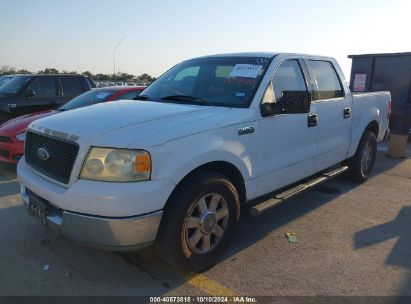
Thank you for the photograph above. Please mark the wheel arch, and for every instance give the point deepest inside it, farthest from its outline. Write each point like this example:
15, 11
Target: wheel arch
225, 168
374, 127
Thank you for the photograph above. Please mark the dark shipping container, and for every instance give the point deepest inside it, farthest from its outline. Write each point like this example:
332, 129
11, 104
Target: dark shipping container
386, 72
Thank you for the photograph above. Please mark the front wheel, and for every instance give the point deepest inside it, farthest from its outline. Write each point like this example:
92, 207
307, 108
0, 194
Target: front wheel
362, 163
198, 222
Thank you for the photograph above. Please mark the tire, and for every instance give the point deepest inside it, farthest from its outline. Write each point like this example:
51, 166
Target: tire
188, 238
362, 163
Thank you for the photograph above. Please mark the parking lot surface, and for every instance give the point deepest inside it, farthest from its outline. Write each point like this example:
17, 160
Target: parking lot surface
353, 240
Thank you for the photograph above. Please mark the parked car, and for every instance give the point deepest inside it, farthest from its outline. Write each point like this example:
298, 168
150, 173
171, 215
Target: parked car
25, 94
103, 84
5, 78
209, 135
13, 132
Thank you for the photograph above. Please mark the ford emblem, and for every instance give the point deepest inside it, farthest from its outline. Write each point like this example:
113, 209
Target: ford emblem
43, 154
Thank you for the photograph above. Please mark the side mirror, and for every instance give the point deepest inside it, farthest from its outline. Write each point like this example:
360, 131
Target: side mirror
30, 93
295, 102
267, 109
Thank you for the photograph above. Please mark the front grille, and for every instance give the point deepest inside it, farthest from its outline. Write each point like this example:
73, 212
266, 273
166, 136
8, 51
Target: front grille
5, 139
4, 153
58, 155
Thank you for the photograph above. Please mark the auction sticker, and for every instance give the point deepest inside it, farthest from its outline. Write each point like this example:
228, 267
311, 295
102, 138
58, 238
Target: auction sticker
246, 70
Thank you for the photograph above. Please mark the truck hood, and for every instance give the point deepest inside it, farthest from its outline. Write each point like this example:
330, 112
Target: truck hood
124, 122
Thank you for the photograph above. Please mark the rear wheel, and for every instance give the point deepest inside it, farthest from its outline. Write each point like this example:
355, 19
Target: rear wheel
198, 222
362, 163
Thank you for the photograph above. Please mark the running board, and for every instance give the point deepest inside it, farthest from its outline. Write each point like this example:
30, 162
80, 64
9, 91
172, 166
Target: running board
296, 190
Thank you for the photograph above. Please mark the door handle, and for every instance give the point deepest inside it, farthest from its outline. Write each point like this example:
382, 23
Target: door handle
312, 120
347, 113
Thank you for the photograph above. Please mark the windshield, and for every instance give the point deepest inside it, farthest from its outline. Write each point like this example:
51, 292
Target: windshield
87, 99
15, 85
5, 79
215, 81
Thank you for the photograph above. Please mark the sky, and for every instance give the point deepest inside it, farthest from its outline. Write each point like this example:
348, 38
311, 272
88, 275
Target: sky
80, 35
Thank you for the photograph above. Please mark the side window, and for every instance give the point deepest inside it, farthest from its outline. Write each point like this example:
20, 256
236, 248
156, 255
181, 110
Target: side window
44, 87
71, 86
329, 85
129, 95
288, 89
91, 82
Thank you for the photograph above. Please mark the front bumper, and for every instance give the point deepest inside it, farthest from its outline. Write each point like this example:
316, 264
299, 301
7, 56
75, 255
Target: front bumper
108, 233
113, 216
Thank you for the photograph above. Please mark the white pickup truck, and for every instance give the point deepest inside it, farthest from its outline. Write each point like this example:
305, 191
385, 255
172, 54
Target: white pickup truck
209, 135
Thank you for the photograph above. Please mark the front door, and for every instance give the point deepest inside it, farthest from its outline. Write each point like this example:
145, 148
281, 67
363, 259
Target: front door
45, 96
287, 142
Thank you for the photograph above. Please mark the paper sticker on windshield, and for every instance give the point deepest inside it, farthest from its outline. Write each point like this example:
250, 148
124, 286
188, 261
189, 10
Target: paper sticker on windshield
246, 70
102, 95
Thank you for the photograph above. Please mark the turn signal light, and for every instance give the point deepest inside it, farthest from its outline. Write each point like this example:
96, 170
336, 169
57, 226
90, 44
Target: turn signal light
143, 163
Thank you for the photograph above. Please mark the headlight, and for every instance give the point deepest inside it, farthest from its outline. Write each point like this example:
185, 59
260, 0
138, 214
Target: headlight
117, 165
21, 136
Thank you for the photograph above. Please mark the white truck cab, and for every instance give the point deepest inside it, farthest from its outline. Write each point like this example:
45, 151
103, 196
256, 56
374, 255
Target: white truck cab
211, 134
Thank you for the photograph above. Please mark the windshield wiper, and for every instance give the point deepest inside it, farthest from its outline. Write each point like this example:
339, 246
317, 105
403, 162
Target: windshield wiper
141, 97
188, 98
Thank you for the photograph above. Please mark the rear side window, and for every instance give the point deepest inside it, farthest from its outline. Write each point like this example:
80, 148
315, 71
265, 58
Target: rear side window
44, 87
71, 86
329, 85
91, 83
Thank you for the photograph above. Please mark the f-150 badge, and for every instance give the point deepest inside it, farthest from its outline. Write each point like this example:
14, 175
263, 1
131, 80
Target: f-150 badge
245, 130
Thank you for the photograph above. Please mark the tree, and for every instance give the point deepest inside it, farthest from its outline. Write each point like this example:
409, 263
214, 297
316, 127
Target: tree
6, 70
49, 71
88, 74
23, 71
145, 78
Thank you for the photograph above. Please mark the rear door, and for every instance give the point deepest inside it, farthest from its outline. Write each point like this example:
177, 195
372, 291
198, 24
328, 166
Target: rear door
71, 86
45, 90
287, 144
333, 108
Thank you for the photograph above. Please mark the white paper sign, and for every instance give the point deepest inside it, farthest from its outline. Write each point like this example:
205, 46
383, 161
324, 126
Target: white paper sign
246, 70
359, 82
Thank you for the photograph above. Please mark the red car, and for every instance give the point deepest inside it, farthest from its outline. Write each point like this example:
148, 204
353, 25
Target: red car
13, 132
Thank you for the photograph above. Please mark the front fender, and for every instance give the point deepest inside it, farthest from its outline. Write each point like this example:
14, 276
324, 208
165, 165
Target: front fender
178, 158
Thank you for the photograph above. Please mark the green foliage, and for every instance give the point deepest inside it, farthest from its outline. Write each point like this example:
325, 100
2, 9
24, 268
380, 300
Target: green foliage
48, 71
